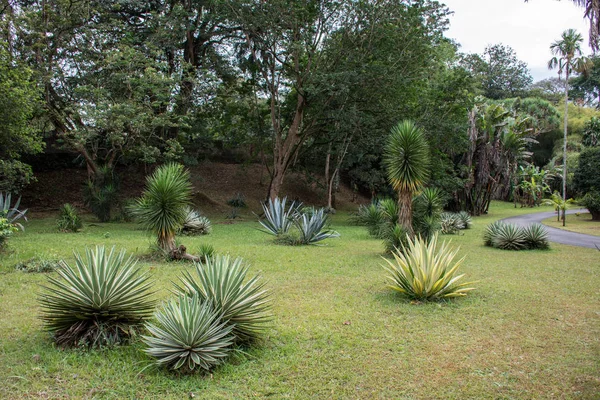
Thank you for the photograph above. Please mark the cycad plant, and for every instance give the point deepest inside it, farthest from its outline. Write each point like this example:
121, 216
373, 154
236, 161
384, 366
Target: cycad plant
188, 334
244, 304
406, 158
162, 207
422, 271
100, 300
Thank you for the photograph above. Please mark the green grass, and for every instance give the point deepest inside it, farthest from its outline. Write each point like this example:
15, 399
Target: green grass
581, 223
530, 330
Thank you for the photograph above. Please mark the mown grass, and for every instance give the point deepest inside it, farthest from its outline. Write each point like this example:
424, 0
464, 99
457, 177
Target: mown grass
530, 330
581, 223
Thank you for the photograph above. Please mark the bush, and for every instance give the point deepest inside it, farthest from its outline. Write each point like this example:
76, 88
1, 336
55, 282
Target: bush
6, 231
68, 219
422, 271
205, 251
370, 216
38, 265
101, 300
450, 223
586, 177
189, 333
509, 237
591, 201
221, 281
195, 224
465, 219
491, 231
395, 238
536, 237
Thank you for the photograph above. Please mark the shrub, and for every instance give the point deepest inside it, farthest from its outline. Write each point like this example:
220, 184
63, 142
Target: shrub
101, 300
591, 201
68, 219
278, 217
100, 193
509, 237
238, 201
395, 238
536, 237
491, 231
220, 282
38, 265
195, 224
465, 219
188, 333
205, 251
312, 228
423, 272
6, 231
370, 216
389, 208
450, 223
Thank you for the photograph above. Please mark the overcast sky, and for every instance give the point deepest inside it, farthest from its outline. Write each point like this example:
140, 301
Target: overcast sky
529, 28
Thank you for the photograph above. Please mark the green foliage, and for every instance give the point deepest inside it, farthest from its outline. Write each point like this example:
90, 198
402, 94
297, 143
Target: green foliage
586, 177
491, 231
100, 193
394, 237
312, 228
161, 209
424, 272
68, 219
6, 231
591, 132
195, 224
11, 213
591, 201
238, 201
243, 304
370, 216
450, 223
536, 237
15, 175
38, 265
101, 300
465, 219
509, 237
205, 251
188, 333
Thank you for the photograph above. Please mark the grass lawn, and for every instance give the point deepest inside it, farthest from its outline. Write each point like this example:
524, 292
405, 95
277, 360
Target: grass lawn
581, 224
531, 330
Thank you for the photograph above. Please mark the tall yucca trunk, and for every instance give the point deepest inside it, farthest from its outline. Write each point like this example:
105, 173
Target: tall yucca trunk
405, 211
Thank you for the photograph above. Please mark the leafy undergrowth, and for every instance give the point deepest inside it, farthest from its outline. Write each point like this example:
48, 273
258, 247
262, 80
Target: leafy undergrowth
581, 223
530, 330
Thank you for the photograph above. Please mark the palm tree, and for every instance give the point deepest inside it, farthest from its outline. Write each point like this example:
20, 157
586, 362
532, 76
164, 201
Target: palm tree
161, 209
406, 158
568, 58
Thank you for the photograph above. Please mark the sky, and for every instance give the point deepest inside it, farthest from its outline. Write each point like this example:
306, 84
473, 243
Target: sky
529, 28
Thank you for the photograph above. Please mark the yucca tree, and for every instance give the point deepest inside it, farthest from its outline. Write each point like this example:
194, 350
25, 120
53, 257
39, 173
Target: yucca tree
568, 58
162, 207
406, 158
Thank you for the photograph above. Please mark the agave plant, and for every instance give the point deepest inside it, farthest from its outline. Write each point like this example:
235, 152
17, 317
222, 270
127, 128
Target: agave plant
98, 301
536, 237
189, 333
195, 224
465, 219
244, 305
432, 200
313, 228
509, 237
491, 231
161, 209
370, 216
450, 223
278, 217
389, 208
68, 219
11, 213
424, 272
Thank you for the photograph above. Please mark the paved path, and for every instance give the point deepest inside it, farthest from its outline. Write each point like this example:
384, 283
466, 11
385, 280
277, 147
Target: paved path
558, 235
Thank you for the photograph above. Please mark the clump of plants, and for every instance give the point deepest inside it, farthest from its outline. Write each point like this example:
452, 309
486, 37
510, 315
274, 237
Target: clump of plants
508, 236
236, 203
452, 223
195, 224
311, 227
205, 251
38, 265
217, 307
100, 193
422, 271
68, 219
9, 217
101, 300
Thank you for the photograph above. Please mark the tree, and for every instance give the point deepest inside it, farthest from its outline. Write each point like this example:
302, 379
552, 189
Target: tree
550, 89
500, 73
568, 58
19, 135
585, 88
591, 133
587, 180
407, 163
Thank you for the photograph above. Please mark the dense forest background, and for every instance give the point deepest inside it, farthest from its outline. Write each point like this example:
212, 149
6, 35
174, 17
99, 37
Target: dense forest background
310, 88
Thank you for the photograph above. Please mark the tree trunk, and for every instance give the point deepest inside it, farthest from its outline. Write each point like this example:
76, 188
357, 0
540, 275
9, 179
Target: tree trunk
405, 211
564, 193
168, 245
